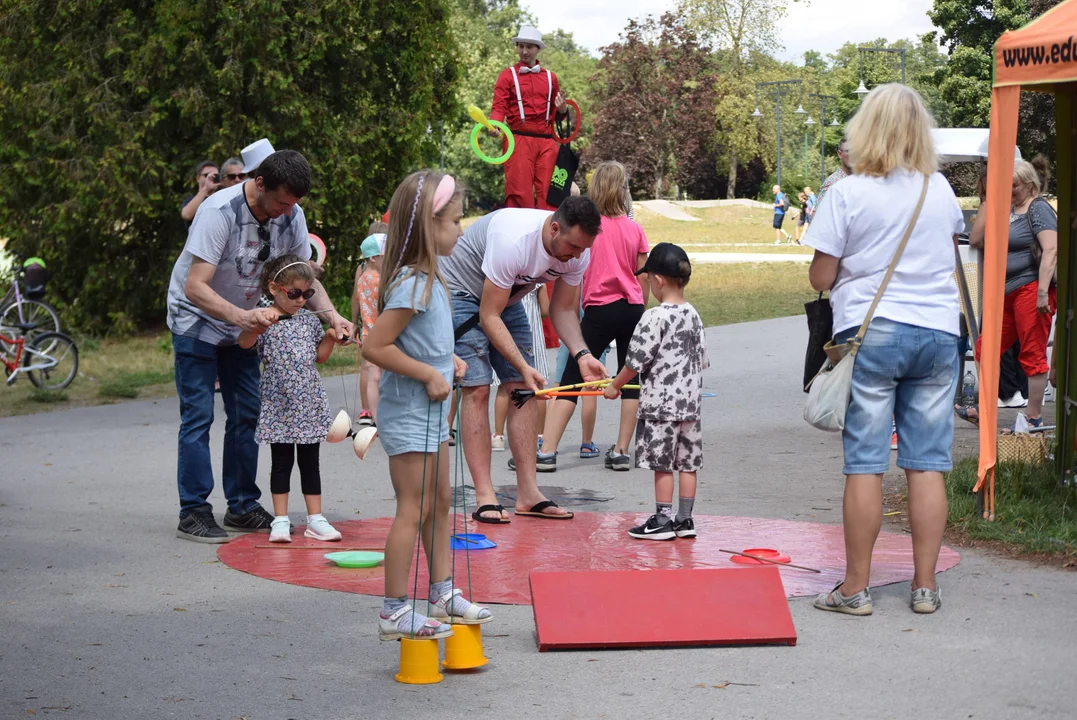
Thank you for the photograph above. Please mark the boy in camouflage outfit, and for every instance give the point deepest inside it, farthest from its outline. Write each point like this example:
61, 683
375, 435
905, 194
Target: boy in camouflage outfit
669, 353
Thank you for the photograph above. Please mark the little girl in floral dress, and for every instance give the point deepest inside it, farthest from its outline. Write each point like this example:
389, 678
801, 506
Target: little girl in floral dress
295, 416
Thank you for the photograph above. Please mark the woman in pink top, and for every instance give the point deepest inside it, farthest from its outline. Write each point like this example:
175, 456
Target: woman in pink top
613, 302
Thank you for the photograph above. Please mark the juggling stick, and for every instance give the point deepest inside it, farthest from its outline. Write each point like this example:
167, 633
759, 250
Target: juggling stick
581, 393
519, 397
772, 562
334, 548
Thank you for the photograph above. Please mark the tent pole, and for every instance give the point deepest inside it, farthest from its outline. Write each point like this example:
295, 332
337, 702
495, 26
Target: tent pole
1065, 355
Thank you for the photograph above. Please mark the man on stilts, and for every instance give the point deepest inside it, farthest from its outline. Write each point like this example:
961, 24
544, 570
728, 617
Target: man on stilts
527, 98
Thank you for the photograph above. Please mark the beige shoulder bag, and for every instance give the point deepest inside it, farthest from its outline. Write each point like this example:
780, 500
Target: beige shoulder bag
828, 396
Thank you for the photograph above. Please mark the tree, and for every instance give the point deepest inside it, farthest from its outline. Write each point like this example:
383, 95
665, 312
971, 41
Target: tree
106, 106
741, 28
969, 29
653, 106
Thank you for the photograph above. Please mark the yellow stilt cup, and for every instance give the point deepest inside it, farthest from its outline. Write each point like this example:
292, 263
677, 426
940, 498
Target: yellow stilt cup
418, 662
463, 651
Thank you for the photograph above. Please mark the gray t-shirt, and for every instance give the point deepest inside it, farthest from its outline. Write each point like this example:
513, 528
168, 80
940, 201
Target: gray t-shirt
224, 233
669, 352
1021, 268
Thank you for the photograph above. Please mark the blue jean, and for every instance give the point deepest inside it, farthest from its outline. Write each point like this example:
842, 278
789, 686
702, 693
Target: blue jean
198, 365
482, 358
905, 375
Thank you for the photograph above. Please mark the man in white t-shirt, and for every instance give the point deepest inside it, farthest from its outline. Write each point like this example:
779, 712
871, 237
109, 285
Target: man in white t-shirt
499, 260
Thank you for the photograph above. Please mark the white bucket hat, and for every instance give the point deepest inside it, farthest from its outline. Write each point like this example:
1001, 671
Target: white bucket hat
531, 35
255, 153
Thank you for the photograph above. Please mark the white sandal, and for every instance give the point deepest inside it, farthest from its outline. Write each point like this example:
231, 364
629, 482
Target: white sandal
440, 610
389, 628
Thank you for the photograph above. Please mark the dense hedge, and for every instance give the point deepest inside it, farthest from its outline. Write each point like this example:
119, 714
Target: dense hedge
107, 105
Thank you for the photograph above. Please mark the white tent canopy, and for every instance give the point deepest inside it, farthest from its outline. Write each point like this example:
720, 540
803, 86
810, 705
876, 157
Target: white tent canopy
955, 145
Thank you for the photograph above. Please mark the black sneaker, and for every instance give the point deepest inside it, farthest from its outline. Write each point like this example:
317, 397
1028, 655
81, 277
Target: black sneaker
256, 520
657, 527
618, 461
199, 526
452, 437
684, 528
543, 462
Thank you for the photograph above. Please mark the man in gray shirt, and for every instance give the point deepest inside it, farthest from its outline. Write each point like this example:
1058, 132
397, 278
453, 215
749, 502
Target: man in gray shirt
213, 296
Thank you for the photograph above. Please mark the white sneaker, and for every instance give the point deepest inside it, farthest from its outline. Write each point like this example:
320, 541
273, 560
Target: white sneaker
318, 528
280, 530
497, 443
1017, 401
1048, 393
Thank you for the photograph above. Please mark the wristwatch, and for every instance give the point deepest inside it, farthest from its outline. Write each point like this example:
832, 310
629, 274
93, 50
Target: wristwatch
580, 354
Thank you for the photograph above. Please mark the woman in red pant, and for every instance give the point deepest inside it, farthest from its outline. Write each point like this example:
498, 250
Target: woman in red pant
1030, 289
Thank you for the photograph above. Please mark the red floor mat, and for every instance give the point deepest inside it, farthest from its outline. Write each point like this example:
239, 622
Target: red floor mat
591, 541
660, 608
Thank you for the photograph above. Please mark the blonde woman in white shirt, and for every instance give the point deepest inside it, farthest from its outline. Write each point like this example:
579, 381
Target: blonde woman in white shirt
906, 368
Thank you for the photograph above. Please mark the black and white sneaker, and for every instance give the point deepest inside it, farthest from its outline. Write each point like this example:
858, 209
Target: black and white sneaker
617, 461
684, 528
199, 526
657, 527
544, 462
256, 520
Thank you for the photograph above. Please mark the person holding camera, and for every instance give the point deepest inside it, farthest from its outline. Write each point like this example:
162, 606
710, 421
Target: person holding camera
208, 178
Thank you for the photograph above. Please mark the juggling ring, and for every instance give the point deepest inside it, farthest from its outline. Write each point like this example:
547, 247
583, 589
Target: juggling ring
487, 158
579, 121
317, 249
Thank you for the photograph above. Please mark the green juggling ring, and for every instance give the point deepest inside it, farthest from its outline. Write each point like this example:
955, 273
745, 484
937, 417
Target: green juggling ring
487, 158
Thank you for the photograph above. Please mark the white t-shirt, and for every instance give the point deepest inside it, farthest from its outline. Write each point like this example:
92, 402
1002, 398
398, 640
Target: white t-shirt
862, 220
506, 248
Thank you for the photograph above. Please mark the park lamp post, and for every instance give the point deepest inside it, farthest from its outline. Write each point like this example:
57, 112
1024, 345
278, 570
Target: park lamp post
779, 85
862, 90
822, 130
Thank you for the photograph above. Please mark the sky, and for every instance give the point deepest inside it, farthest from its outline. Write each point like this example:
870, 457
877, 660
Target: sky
823, 25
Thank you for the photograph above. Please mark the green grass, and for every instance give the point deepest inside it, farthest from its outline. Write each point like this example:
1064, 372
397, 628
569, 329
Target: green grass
735, 293
733, 225
1033, 513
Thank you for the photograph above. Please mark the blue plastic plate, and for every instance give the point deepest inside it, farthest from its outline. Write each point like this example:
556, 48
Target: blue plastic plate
479, 542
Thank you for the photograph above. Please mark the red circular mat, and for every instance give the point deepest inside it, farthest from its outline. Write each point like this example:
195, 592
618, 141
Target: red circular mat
591, 541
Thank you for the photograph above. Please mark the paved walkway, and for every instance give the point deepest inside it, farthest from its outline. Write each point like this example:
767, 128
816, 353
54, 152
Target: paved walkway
105, 614
667, 209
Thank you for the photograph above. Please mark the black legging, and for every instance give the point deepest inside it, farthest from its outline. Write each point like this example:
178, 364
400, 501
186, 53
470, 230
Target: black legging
601, 325
280, 475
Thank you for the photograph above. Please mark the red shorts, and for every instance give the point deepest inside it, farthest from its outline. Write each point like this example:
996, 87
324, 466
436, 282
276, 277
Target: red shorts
1022, 321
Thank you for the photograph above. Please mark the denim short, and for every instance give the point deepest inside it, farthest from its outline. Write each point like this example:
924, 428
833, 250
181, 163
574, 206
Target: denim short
908, 375
475, 349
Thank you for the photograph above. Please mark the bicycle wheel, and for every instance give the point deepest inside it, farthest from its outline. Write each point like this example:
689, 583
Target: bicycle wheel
52, 361
37, 314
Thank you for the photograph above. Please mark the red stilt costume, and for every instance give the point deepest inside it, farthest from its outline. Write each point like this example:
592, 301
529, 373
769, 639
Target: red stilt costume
524, 100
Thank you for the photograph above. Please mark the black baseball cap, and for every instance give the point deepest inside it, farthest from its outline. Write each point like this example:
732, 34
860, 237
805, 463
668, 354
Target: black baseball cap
665, 260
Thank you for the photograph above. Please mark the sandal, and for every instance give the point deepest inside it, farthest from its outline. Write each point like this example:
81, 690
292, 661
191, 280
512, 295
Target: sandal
537, 511
444, 610
968, 414
431, 629
478, 516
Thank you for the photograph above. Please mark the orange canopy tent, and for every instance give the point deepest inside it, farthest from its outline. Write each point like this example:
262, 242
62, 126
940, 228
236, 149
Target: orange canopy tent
1041, 56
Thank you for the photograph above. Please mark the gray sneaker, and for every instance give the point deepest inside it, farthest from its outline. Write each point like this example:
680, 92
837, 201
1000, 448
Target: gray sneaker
618, 461
834, 601
926, 601
544, 462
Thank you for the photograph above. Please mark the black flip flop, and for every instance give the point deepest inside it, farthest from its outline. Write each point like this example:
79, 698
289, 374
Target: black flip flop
536, 511
477, 516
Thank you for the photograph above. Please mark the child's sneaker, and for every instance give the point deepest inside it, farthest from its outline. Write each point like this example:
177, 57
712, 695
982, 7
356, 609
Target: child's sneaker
497, 443
834, 601
280, 530
589, 450
406, 623
684, 528
365, 419
657, 527
318, 528
453, 608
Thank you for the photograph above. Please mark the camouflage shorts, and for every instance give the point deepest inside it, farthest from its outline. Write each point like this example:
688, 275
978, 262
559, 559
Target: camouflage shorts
668, 446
